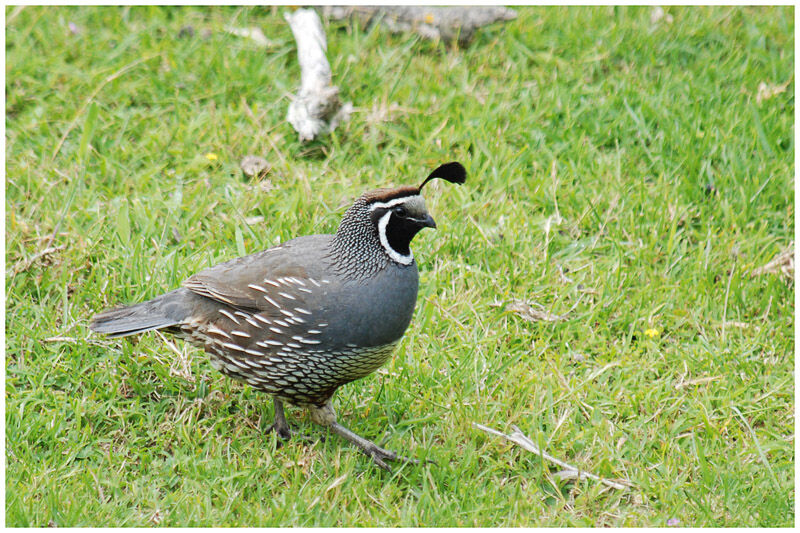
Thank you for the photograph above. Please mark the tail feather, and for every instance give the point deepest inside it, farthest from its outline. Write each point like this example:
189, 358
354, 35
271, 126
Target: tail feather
123, 321
118, 323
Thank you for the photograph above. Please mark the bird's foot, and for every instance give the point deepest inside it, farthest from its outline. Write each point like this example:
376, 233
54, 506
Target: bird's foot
324, 415
381, 455
283, 432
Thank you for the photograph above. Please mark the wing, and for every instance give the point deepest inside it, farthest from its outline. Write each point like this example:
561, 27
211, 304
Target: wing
261, 281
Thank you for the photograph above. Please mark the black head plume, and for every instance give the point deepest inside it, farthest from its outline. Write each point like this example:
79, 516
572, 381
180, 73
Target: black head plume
454, 172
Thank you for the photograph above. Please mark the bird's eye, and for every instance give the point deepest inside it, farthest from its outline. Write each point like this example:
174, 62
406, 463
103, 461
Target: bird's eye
400, 211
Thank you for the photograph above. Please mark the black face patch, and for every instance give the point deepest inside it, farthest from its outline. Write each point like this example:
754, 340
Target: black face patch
396, 228
400, 231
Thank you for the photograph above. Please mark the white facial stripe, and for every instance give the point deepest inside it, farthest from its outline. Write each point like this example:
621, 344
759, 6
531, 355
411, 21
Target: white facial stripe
402, 259
392, 203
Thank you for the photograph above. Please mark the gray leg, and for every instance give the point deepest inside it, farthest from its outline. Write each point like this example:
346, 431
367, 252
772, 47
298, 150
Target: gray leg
326, 416
280, 426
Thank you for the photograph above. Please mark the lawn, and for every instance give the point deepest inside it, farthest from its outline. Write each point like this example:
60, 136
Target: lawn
628, 175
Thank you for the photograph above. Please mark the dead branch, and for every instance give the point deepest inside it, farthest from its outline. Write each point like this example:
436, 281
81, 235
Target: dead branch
315, 110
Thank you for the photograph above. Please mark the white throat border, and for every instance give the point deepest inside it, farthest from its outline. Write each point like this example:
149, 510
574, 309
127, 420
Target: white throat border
391, 252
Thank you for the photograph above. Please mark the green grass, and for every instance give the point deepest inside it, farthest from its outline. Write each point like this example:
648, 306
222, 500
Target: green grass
646, 138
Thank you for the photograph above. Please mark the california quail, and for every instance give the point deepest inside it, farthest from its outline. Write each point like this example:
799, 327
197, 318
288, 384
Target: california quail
301, 319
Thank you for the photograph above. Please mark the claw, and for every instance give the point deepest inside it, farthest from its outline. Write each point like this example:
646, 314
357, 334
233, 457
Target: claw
378, 455
377, 460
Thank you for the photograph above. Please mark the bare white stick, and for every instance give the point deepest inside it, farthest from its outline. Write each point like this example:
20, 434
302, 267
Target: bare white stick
316, 109
570, 471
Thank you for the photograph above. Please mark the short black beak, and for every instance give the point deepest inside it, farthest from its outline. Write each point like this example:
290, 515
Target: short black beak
427, 222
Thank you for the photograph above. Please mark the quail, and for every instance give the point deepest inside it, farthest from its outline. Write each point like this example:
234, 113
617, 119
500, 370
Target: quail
303, 318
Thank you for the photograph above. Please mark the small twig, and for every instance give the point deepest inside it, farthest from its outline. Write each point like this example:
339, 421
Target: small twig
338, 481
698, 381
71, 340
741, 325
571, 471
25, 265
527, 311
13, 14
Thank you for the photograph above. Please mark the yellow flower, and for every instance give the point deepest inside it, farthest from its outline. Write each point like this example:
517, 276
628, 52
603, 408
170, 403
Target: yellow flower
650, 332
429, 18
211, 156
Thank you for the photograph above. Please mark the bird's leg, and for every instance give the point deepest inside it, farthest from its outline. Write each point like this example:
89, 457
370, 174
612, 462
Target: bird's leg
325, 416
280, 426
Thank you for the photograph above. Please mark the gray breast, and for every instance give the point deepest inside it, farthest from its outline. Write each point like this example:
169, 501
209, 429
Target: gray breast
374, 311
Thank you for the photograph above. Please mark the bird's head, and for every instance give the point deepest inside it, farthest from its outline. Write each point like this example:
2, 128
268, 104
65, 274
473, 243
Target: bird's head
397, 214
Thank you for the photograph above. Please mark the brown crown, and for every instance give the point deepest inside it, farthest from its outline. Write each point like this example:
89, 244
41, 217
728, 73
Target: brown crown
386, 194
